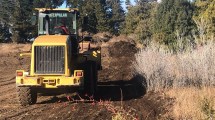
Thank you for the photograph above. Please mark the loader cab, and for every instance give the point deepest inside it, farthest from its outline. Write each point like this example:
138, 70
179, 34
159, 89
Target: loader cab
57, 21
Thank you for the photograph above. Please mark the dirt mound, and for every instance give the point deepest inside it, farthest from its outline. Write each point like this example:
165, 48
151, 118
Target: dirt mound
117, 58
122, 49
14, 48
102, 37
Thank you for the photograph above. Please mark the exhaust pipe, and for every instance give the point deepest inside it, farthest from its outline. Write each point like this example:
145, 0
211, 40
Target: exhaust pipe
47, 24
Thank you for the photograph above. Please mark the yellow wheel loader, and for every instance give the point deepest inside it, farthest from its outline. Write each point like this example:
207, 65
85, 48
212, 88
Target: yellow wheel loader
60, 58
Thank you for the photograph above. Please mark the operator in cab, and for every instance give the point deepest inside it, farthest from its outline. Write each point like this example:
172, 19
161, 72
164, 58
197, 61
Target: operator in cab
61, 28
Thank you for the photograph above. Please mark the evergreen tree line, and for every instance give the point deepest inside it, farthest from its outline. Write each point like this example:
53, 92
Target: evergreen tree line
171, 22
167, 22
15, 15
104, 15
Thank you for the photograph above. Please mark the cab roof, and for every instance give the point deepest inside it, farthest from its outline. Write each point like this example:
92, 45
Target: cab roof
43, 10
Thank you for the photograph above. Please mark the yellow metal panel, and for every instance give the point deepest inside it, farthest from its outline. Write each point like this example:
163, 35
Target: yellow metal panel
56, 9
55, 81
27, 81
30, 81
66, 62
32, 61
51, 40
18, 80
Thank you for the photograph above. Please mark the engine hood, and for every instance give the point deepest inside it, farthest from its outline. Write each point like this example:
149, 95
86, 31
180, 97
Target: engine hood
51, 40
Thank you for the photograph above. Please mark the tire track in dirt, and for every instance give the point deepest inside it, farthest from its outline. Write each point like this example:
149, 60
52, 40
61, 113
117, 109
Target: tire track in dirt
13, 114
6, 79
12, 110
7, 83
39, 111
7, 86
9, 97
54, 110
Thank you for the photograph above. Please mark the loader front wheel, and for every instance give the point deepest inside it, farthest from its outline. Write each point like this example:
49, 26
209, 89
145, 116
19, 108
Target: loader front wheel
27, 95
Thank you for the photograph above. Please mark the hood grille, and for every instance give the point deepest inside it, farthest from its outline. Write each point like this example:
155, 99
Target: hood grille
49, 60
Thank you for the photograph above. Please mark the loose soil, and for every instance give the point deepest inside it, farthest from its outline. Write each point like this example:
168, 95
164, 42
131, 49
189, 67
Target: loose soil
117, 86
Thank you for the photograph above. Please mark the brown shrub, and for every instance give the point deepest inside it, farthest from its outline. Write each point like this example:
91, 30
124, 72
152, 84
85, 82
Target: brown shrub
163, 69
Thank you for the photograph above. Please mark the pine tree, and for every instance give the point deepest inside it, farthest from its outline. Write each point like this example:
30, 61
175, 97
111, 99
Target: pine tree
171, 17
4, 33
88, 9
47, 3
74, 3
205, 12
139, 20
101, 17
16, 15
1, 33
96, 10
20, 20
116, 16
6, 10
131, 20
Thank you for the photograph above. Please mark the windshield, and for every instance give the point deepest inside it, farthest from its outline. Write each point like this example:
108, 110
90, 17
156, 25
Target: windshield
56, 20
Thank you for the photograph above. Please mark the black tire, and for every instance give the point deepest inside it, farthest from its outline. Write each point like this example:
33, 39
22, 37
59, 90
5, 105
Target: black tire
26, 95
90, 78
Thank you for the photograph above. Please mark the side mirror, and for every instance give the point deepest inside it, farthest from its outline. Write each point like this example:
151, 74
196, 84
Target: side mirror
47, 24
33, 20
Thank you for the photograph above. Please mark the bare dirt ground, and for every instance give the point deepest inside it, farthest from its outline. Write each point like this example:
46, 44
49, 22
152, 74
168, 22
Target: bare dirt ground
116, 86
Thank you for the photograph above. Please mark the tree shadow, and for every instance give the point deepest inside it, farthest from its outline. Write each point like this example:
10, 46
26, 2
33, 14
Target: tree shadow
120, 90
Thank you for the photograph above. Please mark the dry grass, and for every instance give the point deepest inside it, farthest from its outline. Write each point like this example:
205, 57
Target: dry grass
193, 103
162, 69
